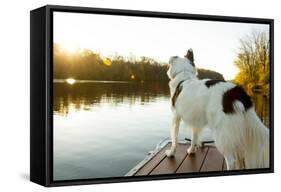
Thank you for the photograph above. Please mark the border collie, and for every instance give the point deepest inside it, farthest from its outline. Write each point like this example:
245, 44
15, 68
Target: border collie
222, 106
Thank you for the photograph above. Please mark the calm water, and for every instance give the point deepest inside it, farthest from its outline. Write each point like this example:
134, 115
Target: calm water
105, 129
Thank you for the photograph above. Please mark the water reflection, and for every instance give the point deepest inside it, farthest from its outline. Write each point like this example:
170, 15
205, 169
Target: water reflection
104, 129
83, 96
261, 103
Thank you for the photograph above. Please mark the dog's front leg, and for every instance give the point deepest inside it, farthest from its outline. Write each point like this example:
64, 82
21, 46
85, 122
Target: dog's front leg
174, 135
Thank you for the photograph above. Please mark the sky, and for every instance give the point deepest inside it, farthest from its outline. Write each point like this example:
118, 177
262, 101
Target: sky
215, 44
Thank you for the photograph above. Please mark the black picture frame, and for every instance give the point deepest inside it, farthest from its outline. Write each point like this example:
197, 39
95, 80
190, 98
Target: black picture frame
41, 82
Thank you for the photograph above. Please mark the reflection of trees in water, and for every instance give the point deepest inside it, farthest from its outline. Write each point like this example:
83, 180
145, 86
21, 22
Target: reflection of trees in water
86, 95
262, 107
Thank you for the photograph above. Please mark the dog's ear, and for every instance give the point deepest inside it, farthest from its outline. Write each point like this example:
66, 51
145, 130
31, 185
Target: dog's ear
190, 56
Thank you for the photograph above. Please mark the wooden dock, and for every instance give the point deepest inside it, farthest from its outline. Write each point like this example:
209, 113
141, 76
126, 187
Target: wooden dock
207, 158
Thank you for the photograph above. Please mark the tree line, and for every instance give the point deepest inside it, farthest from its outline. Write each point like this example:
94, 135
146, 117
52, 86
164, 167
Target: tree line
87, 65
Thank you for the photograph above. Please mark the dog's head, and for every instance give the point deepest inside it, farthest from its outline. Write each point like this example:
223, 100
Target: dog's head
181, 64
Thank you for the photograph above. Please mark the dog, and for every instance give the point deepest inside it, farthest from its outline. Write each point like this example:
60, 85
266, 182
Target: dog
224, 107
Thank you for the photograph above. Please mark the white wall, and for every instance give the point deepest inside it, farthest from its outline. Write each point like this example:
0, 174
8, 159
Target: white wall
14, 101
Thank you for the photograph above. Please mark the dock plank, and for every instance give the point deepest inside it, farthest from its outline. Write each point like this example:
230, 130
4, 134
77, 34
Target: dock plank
150, 165
193, 163
170, 165
213, 161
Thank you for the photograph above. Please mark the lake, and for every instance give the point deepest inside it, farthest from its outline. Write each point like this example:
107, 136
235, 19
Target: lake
103, 129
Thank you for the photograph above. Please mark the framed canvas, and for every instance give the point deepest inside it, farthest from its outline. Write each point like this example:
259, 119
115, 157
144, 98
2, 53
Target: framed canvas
126, 95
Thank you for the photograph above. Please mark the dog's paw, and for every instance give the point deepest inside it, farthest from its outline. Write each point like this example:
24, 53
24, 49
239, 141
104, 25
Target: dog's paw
200, 144
191, 150
170, 153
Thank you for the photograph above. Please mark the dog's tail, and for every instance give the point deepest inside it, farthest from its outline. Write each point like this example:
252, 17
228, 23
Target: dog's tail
256, 141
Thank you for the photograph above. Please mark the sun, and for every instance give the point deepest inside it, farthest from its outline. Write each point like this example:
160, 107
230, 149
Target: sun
70, 47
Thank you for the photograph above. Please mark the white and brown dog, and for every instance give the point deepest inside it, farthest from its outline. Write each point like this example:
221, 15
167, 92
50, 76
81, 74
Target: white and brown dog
223, 107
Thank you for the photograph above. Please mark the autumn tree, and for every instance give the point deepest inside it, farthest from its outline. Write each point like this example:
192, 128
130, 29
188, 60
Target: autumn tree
253, 62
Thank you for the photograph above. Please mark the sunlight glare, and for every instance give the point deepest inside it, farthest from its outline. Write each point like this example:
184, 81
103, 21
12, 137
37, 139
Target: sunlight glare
107, 62
70, 81
69, 47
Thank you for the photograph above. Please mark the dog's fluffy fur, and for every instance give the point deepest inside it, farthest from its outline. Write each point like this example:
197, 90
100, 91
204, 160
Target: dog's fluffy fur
240, 136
